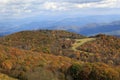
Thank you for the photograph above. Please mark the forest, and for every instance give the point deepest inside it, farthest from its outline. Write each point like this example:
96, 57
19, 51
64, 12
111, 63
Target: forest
59, 55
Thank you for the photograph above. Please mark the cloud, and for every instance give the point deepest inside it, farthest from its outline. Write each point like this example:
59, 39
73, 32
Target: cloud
53, 6
102, 4
77, 1
18, 8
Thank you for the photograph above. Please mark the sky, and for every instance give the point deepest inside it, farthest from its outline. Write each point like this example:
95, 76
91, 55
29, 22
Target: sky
30, 8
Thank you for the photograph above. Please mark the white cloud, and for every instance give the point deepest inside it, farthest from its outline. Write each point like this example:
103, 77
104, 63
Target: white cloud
102, 4
9, 8
53, 6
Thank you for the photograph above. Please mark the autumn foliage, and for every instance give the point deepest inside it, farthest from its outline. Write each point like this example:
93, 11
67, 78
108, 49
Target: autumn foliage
48, 55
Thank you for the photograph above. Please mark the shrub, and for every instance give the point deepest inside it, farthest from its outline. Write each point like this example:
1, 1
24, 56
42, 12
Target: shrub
80, 71
103, 72
95, 71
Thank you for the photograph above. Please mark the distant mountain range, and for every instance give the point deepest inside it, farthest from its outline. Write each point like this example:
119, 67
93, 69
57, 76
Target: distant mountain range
88, 25
112, 28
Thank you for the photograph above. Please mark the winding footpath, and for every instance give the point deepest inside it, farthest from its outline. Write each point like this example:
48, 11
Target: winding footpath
79, 42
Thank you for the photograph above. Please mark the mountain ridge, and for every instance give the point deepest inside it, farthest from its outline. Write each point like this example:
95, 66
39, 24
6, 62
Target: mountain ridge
68, 23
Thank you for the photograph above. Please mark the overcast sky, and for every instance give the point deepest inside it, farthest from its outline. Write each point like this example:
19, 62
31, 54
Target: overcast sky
28, 8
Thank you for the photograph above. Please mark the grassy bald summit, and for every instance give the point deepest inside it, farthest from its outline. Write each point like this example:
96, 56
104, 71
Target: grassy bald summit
59, 55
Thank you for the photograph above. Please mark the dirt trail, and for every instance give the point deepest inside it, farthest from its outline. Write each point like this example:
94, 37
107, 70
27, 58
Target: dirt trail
80, 42
6, 77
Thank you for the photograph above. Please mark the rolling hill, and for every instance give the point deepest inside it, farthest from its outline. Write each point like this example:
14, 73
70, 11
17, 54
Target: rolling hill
59, 55
46, 41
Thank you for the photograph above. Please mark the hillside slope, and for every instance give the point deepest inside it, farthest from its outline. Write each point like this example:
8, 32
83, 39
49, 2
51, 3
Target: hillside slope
101, 48
27, 65
59, 55
106, 47
46, 41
